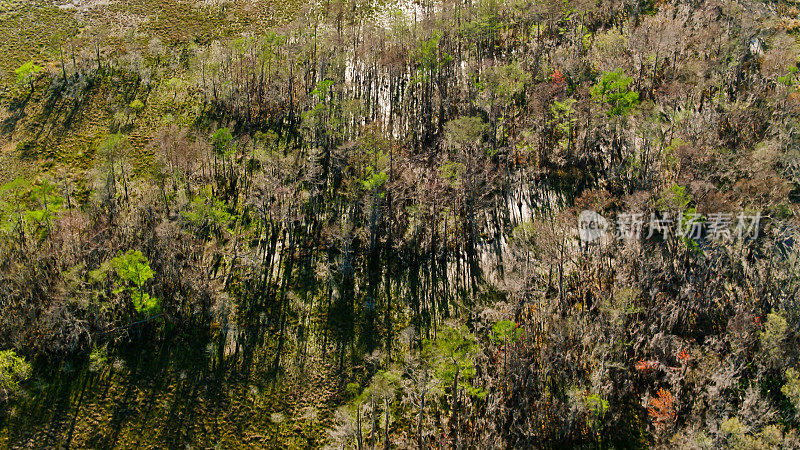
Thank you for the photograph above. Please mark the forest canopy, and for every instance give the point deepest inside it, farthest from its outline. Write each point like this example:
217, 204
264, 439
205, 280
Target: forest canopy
431, 224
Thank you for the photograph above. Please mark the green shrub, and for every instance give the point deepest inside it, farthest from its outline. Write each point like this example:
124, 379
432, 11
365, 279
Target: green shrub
136, 105
13, 370
26, 73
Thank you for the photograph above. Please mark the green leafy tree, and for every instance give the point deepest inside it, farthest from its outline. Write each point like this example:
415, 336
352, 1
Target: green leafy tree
465, 131
792, 389
366, 405
454, 350
563, 122
207, 214
222, 140
452, 173
114, 157
505, 332
26, 207
485, 25
373, 179
322, 89
13, 370
466, 138
502, 88
133, 271
224, 146
774, 335
613, 89
791, 78
382, 390
44, 202
429, 58
596, 407
12, 204
676, 199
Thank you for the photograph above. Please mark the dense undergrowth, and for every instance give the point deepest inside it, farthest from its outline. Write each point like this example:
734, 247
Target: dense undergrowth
358, 227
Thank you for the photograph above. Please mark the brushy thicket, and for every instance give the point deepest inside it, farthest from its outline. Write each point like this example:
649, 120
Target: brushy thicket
390, 196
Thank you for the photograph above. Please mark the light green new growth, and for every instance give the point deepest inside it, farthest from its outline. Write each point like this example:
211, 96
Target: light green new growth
13, 370
613, 89
133, 271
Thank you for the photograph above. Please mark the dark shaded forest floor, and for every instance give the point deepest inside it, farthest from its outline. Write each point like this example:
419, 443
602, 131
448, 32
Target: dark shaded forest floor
172, 396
